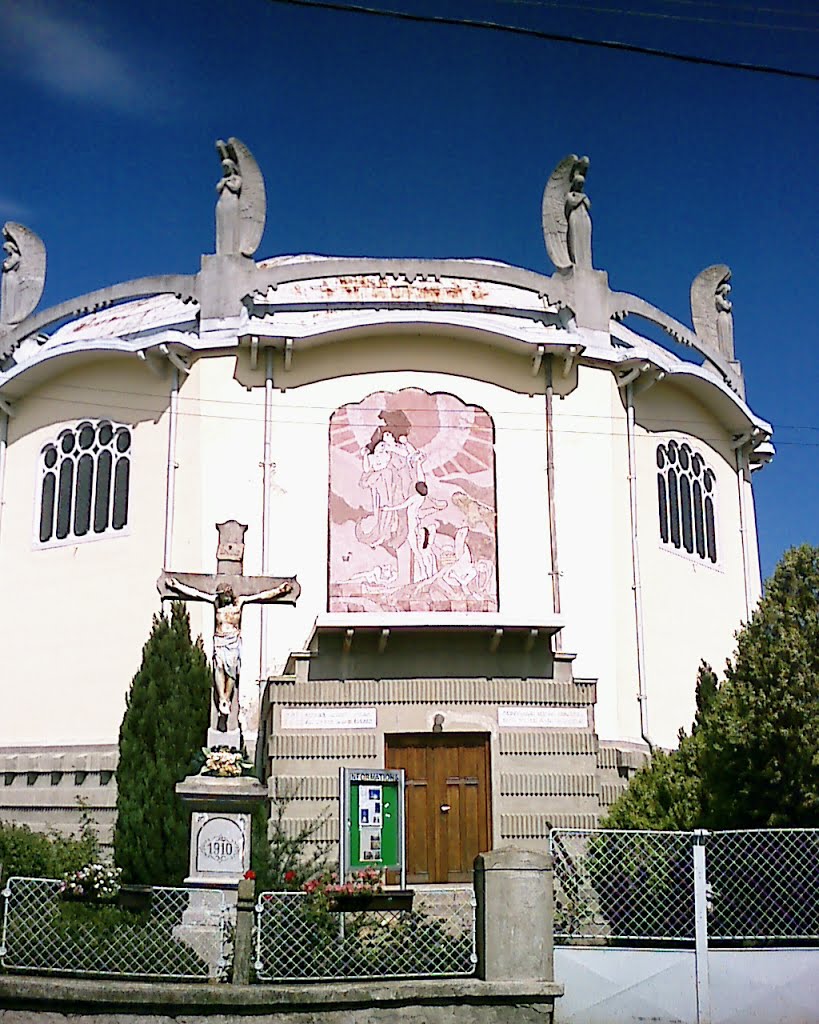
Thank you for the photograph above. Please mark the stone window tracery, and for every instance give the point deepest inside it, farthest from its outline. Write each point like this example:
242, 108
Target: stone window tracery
85, 479
686, 495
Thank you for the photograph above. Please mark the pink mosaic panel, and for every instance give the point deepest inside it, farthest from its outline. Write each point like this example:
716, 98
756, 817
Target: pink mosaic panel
412, 501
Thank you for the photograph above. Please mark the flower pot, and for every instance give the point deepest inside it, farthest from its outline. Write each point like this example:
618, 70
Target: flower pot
352, 902
135, 897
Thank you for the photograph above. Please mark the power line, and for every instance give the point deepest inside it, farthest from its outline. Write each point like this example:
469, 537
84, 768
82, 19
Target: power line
323, 422
555, 37
784, 12
657, 15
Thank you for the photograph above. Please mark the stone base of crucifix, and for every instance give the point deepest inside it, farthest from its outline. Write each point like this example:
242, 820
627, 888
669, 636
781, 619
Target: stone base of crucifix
221, 811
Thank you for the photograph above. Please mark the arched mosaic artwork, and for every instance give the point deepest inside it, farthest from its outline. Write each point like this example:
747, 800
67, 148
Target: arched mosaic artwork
412, 523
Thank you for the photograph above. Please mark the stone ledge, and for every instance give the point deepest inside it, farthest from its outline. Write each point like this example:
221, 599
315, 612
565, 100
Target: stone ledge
76, 995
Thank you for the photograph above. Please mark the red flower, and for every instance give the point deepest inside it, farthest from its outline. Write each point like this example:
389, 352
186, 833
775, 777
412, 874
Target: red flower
250, 874
290, 876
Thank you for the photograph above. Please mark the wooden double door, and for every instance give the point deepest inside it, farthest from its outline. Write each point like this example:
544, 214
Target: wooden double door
447, 802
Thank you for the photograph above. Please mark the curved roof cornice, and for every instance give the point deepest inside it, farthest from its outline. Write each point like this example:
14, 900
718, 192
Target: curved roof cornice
528, 308
183, 286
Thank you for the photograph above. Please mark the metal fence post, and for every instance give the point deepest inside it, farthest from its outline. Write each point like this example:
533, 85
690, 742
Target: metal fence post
700, 838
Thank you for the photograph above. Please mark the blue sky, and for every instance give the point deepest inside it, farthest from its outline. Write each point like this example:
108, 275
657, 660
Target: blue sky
387, 138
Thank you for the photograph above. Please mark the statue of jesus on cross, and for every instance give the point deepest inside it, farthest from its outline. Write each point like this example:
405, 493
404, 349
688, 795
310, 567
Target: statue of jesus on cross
227, 637
228, 590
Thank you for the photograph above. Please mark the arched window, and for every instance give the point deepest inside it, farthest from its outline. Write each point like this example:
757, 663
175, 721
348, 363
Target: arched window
686, 492
85, 477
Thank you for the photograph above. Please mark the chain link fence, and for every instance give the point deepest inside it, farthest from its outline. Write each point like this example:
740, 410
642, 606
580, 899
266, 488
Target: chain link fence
174, 933
298, 938
639, 887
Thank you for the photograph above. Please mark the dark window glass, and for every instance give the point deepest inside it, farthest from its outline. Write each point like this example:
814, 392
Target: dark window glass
699, 527
86, 436
85, 479
685, 513
121, 480
662, 502
64, 495
47, 507
102, 499
674, 508
710, 530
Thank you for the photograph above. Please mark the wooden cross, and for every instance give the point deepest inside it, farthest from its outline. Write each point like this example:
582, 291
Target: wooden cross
230, 580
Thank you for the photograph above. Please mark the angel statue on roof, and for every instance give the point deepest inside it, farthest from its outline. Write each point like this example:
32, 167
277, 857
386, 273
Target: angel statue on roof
242, 203
566, 219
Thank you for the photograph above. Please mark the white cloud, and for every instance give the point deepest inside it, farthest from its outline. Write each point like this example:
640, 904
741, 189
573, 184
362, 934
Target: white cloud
68, 55
11, 210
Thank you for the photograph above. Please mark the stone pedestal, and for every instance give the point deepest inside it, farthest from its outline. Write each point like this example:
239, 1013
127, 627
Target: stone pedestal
220, 827
219, 857
514, 922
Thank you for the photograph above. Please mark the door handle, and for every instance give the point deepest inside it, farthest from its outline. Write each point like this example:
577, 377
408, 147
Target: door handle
445, 808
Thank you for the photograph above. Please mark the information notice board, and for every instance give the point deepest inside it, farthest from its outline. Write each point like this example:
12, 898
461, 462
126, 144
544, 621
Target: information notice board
372, 817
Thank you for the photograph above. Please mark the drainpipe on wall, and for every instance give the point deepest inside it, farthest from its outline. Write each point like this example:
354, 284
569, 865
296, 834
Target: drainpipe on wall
170, 486
636, 581
550, 487
4, 439
742, 467
267, 472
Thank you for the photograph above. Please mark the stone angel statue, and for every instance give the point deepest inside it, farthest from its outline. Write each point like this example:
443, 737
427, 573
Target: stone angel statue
566, 219
24, 269
242, 204
711, 309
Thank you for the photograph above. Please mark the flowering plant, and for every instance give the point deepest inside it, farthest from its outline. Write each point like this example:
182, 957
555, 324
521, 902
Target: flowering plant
225, 762
93, 882
366, 882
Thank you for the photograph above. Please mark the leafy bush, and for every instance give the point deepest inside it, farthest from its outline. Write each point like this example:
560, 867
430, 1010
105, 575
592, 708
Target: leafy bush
282, 861
45, 855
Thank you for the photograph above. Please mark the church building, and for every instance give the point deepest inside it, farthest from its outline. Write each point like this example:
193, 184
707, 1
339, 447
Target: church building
515, 523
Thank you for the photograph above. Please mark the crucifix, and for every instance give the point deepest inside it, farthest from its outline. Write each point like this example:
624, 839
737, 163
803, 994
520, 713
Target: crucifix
228, 590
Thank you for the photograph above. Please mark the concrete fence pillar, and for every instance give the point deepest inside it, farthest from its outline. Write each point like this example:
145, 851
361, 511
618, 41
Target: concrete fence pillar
243, 937
514, 916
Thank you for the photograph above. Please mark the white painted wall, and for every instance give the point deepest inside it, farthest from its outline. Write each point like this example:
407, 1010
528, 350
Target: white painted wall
75, 617
81, 613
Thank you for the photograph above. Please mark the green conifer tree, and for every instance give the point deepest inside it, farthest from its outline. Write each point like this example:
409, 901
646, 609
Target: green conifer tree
759, 762
752, 759
164, 726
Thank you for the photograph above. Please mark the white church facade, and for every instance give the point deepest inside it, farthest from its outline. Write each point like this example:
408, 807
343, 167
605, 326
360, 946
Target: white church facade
517, 524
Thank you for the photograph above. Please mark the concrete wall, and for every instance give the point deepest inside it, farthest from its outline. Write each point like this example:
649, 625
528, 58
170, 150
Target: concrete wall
453, 1001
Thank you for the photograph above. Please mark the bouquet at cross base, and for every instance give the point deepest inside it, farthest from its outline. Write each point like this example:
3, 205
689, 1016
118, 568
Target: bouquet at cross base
225, 762
92, 882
